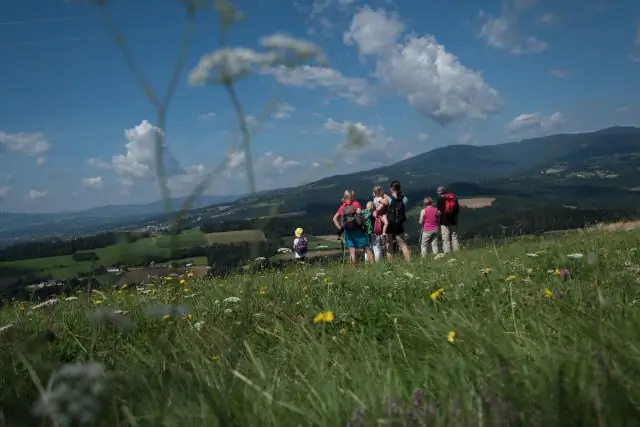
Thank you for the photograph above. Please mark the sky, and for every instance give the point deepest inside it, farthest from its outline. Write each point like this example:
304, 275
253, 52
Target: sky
78, 129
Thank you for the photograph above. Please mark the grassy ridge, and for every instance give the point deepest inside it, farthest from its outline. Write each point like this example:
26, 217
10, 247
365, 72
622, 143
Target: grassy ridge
492, 338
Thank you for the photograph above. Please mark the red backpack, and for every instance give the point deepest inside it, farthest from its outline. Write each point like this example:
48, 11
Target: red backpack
450, 204
377, 224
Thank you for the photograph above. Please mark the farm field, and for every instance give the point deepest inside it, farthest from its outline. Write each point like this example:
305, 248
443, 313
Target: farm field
540, 332
64, 267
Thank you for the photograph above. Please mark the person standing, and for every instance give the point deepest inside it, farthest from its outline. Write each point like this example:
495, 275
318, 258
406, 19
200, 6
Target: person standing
448, 208
300, 245
429, 222
396, 217
348, 219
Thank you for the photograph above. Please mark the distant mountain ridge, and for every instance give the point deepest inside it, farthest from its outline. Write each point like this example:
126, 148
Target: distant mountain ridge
608, 157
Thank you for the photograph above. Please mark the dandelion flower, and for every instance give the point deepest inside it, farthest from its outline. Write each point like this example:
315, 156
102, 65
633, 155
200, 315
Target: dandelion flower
435, 294
451, 336
548, 293
183, 282
324, 317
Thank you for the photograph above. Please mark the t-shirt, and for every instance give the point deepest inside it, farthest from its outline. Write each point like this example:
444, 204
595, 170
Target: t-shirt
430, 219
388, 197
368, 221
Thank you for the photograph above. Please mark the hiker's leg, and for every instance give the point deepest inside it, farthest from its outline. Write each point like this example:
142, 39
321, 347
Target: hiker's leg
389, 246
402, 245
446, 242
369, 254
377, 248
424, 244
434, 242
454, 238
353, 256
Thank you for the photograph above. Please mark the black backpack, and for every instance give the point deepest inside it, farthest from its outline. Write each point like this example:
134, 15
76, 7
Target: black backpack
350, 218
396, 212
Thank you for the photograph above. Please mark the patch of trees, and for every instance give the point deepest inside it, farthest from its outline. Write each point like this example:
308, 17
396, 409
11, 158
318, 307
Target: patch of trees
85, 256
59, 247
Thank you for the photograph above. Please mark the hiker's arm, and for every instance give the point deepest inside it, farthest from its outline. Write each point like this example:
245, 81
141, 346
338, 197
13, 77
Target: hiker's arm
421, 218
336, 217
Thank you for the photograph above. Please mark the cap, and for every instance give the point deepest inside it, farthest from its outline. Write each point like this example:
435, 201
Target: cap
298, 232
440, 190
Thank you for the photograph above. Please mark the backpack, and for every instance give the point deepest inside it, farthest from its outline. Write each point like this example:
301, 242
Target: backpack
301, 246
450, 204
377, 225
350, 218
367, 220
396, 211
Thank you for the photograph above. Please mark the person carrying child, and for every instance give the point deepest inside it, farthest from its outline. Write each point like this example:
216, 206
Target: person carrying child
373, 229
300, 245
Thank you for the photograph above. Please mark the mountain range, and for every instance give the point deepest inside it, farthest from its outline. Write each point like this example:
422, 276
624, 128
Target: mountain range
607, 160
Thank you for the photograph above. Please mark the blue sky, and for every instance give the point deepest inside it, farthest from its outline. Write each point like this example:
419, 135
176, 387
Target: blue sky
76, 130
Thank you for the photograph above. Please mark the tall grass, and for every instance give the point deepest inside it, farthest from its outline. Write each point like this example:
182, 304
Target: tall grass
496, 336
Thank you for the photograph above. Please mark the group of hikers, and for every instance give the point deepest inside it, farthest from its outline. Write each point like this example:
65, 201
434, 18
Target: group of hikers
380, 226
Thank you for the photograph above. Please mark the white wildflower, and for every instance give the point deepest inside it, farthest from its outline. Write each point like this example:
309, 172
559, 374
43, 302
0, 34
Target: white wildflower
228, 311
46, 303
71, 298
322, 247
284, 250
575, 255
6, 327
451, 261
231, 299
438, 256
533, 254
409, 275
73, 394
198, 325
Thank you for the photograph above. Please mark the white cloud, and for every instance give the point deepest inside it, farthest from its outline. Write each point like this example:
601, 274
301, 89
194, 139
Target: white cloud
309, 76
283, 111
465, 138
37, 195
532, 121
559, 73
30, 144
4, 192
503, 33
41, 160
95, 182
635, 56
548, 18
422, 137
98, 163
432, 80
207, 117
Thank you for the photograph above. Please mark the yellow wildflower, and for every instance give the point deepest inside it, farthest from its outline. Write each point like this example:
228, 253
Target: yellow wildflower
166, 316
97, 302
451, 336
548, 293
324, 317
435, 294
511, 278
183, 282
215, 358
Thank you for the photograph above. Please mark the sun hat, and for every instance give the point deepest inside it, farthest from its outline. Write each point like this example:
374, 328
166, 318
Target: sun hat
298, 232
440, 190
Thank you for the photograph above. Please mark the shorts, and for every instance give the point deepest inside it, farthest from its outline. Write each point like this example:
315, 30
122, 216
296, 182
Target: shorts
355, 239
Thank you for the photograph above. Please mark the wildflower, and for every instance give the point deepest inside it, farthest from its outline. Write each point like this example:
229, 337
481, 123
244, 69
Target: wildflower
575, 256
435, 294
485, 270
6, 327
511, 278
73, 394
71, 298
451, 336
438, 256
98, 302
198, 325
46, 303
215, 358
561, 273
548, 293
533, 254
231, 299
183, 282
409, 275
324, 317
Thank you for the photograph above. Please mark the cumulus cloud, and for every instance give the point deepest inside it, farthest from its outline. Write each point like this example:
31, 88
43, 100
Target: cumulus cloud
309, 76
502, 32
535, 121
422, 137
41, 160
95, 182
559, 73
4, 192
283, 111
36, 194
30, 144
207, 117
635, 56
432, 80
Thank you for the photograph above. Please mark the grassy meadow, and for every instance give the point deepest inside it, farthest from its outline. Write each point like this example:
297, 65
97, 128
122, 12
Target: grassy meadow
540, 332
64, 267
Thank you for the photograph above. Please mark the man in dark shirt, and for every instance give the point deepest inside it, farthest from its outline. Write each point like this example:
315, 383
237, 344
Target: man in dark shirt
448, 220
